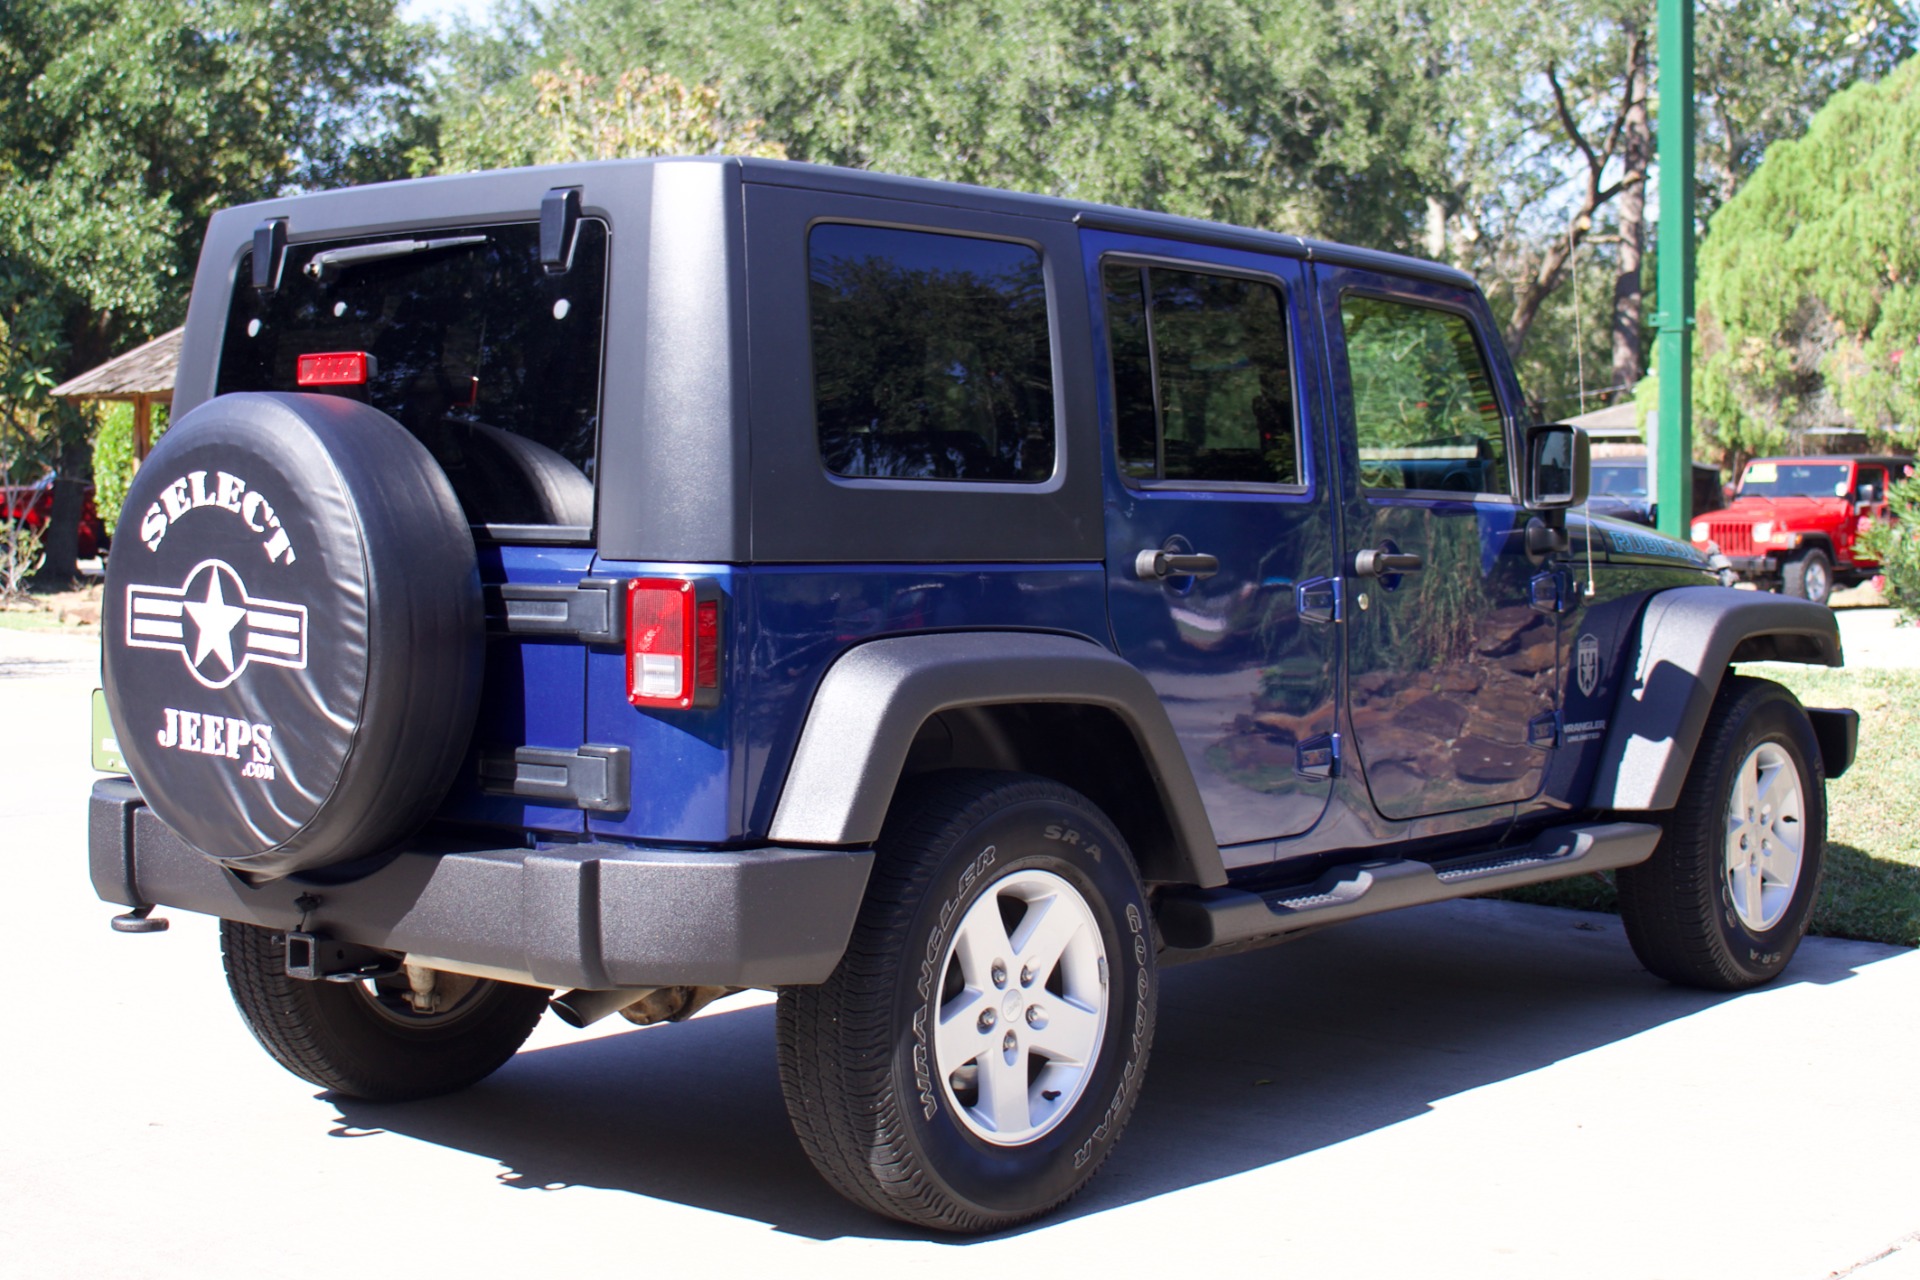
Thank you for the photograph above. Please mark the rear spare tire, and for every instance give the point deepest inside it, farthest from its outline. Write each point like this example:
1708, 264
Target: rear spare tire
293, 634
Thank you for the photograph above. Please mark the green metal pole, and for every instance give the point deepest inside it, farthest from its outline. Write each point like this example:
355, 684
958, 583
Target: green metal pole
1673, 434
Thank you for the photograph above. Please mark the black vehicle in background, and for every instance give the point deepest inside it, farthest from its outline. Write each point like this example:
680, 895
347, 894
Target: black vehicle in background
1623, 489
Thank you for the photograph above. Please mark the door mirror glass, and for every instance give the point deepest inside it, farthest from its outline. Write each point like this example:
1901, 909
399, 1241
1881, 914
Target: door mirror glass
1558, 465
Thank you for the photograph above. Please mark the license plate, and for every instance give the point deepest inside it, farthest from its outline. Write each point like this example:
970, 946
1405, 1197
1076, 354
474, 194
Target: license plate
106, 746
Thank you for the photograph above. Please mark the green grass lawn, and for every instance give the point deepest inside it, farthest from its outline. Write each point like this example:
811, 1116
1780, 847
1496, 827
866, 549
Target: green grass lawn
1872, 884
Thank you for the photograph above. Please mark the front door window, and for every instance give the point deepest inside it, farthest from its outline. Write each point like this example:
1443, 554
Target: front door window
1452, 666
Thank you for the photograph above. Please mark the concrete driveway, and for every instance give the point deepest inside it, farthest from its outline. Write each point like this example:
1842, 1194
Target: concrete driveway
1478, 1089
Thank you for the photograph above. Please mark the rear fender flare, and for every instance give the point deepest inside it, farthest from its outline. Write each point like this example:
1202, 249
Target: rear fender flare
1687, 639
874, 699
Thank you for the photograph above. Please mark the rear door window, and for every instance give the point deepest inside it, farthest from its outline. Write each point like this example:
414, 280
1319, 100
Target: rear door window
1203, 383
490, 361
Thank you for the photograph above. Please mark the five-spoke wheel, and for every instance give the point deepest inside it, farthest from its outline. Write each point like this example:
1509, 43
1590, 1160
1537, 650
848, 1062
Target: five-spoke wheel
1023, 1007
1766, 836
979, 1048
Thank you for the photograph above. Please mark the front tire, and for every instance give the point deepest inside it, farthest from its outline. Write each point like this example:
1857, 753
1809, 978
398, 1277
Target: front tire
1725, 899
365, 1039
980, 1047
1810, 577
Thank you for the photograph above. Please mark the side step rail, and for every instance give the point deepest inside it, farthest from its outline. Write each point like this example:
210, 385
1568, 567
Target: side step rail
1211, 919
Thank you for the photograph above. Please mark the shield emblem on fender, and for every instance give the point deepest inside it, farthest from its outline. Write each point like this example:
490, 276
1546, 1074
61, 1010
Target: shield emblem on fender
1587, 664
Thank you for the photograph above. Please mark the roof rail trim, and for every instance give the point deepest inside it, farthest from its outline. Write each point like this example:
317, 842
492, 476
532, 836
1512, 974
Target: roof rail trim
1195, 231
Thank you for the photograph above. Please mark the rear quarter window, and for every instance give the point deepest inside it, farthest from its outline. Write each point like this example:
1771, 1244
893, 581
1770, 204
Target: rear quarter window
931, 356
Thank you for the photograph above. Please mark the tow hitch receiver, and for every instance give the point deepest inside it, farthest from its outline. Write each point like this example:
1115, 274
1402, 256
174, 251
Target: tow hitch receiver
313, 957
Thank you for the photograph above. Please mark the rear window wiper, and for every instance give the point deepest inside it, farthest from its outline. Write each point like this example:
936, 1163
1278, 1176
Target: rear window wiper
330, 261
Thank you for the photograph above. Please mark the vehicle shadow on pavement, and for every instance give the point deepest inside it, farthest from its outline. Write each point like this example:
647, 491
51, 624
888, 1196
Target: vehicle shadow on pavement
1258, 1058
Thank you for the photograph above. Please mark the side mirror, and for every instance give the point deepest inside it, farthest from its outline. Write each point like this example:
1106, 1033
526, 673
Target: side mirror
1559, 464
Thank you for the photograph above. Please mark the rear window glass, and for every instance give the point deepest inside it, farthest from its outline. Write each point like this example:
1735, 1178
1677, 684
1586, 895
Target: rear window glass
931, 358
489, 361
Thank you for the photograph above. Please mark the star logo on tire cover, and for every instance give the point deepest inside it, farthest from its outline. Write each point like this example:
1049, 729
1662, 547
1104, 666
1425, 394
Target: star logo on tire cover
215, 626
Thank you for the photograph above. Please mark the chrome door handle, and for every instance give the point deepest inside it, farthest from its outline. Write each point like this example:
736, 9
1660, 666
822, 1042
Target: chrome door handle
1379, 562
1159, 565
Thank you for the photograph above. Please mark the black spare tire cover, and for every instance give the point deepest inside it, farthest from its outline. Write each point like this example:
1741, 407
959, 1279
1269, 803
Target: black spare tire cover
293, 633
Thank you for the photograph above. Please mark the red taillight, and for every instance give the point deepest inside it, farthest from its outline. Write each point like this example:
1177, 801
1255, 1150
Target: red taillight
673, 644
335, 369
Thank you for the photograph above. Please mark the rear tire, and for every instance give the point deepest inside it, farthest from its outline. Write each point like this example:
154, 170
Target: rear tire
980, 1047
1725, 899
363, 1039
1809, 576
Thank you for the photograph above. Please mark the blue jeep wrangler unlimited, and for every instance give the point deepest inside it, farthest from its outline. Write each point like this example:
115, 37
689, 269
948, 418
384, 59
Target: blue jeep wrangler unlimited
945, 607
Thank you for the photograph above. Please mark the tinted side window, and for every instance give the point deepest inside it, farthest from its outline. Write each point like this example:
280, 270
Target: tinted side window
931, 359
1423, 400
1203, 382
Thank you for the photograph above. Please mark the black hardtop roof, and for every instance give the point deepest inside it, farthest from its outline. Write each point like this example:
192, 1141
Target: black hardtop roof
1107, 217
1888, 459
790, 173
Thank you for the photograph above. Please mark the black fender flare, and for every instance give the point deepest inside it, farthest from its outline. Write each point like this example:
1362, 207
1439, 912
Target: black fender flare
873, 700
1687, 638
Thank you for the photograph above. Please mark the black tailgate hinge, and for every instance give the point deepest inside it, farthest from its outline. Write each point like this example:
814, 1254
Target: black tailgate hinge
591, 611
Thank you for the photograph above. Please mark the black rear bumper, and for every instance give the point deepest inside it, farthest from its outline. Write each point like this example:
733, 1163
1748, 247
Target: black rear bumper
583, 915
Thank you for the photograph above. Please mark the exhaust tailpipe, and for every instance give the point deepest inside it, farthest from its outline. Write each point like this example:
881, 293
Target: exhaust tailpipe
583, 1008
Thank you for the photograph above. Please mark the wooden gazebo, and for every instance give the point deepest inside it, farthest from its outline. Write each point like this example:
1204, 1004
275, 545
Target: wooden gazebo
142, 376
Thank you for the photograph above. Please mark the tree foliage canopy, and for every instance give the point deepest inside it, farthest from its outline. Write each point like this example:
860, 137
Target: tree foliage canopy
577, 115
1290, 113
125, 123
1809, 282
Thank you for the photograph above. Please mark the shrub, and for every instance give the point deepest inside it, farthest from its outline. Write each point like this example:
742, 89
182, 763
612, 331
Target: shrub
113, 457
21, 555
1896, 546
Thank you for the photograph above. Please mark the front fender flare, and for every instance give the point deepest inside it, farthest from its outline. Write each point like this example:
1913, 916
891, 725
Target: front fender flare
1688, 636
874, 699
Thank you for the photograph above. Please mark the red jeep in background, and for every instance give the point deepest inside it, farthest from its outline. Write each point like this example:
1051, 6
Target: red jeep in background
32, 505
1793, 524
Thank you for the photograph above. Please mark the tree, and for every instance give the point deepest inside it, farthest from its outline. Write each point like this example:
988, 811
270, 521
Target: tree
1588, 115
1809, 284
1297, 115
576, 115
1763, 69
1569, 173
123, 125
